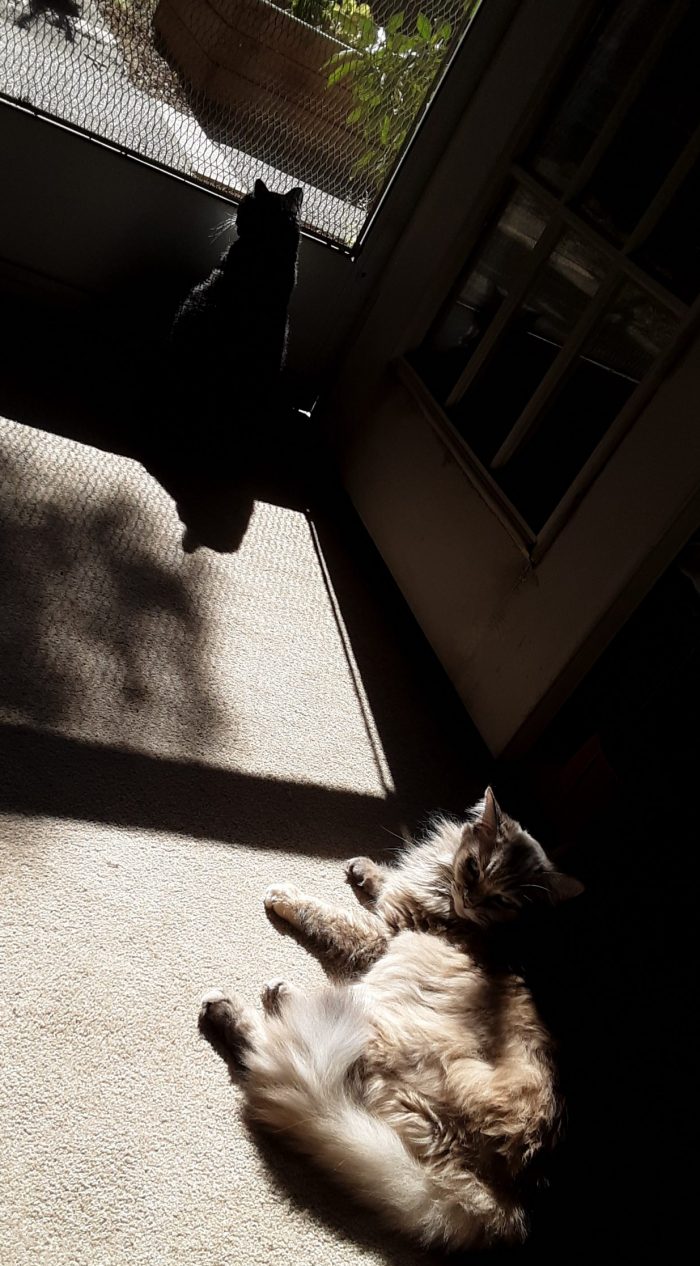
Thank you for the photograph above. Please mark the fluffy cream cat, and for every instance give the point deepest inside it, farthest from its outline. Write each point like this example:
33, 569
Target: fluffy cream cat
426, 1085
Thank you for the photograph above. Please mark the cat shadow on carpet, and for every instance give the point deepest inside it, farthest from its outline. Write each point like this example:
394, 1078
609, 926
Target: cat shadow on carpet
215, 506
214, 512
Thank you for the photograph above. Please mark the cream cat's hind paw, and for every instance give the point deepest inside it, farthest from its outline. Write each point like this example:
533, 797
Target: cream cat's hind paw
272, 994
216, 1012
356, 871
214, 1007
212, 995
279, 899
226, 1022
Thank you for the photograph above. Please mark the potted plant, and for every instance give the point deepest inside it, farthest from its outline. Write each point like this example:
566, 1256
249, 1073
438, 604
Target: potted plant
256, 77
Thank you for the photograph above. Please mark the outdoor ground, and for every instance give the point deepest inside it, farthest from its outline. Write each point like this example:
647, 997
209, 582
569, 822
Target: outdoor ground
111, 83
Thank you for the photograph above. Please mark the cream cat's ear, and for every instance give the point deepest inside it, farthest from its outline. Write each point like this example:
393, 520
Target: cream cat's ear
564, 887
486, 826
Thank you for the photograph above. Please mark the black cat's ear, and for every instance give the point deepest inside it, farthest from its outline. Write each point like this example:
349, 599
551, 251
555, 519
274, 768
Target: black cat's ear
260, 189
486, 825
294, 199
564, 887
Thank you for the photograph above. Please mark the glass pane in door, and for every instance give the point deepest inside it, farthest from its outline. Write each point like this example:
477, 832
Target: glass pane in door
499, 262
541, 368
652, 136
549, 312
600, 71
631, 334
672, 251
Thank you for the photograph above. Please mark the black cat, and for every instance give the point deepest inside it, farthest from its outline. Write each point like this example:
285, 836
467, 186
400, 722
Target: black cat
229, 336
226, 427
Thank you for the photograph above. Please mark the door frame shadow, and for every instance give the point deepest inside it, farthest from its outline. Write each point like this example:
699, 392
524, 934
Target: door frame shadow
51, 775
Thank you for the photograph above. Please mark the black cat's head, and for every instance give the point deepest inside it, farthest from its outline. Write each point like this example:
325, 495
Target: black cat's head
270, 219
500, 871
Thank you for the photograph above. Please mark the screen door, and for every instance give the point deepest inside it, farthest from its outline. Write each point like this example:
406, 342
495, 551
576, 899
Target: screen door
320, 93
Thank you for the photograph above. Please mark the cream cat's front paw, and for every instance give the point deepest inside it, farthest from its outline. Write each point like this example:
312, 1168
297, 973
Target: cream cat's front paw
280, 899
357, 871
364, 875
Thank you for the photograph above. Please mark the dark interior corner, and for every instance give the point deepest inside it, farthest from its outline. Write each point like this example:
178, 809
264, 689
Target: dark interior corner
612, 777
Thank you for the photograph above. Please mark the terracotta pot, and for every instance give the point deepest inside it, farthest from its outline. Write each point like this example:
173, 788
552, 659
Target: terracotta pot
257, 78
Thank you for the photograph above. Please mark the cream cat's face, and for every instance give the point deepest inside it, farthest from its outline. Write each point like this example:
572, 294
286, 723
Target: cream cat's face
499, 870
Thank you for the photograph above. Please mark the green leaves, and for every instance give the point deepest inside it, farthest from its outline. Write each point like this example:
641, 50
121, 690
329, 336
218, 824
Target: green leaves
311, 11
344, 64
394, 24
391, 70
366, 30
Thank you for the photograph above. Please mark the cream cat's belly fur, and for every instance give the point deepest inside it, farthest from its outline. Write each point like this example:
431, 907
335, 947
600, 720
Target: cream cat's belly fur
417, 981
436, 1023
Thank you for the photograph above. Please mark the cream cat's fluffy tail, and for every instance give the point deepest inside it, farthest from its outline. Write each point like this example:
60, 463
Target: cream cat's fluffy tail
301, 1085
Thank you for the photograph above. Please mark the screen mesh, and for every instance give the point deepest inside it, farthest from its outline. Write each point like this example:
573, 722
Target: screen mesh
309, 92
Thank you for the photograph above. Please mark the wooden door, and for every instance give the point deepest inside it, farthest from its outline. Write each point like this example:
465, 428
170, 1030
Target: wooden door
518, 417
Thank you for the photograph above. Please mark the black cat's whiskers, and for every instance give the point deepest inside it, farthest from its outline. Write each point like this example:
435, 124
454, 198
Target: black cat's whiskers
221, 230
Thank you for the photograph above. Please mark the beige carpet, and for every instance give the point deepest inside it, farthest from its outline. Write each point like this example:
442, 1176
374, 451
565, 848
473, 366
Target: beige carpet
177, 732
